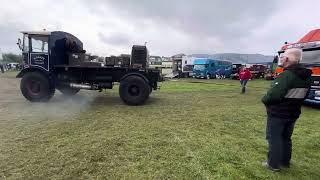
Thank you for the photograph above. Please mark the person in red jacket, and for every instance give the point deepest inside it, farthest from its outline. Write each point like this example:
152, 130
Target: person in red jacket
244, 76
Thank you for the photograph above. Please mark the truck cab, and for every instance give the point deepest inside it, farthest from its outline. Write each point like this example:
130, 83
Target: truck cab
210, 68
57, 60
310, 46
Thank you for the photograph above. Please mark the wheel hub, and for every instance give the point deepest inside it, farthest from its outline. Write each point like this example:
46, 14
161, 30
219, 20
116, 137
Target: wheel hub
134, 90
34, 87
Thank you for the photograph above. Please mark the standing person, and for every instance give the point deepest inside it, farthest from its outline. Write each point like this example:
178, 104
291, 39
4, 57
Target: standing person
1, 62
244, 76
283, 103
2, 68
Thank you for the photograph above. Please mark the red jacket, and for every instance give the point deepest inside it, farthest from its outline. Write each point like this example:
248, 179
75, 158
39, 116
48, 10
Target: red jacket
245, 74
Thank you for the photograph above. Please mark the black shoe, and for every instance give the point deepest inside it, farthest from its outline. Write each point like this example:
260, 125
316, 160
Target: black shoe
266, 165
243, 90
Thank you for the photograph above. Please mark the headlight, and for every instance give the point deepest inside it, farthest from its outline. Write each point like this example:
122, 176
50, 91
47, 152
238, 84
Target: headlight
317, 93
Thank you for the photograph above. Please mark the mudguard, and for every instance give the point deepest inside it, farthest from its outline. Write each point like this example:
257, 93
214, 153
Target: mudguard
33, 69
136, 74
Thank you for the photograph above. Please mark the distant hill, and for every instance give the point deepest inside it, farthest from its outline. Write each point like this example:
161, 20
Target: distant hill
238, 58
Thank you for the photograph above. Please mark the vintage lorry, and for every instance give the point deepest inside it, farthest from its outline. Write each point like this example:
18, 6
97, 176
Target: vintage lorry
56, 60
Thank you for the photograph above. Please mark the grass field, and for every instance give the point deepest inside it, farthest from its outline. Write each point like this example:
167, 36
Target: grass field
190, 129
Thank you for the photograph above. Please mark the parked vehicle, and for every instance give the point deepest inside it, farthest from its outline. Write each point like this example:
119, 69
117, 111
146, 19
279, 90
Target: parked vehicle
187, 65
257, 70
14, 66
310, 45
210, 68
270, 72
235, 71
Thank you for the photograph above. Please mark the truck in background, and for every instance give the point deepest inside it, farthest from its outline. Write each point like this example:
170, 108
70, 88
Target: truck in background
235, 71
270, 72
257, 70
187, 65
210, 68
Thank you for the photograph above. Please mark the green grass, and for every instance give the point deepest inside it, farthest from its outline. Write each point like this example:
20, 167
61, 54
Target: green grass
190, 129
9, 74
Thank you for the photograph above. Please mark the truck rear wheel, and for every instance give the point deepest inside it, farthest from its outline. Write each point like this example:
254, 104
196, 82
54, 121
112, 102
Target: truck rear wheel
68, 91
36, 87
134, 90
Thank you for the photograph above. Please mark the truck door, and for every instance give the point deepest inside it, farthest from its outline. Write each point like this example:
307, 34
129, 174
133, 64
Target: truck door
25, 50
211, 69
228, 70
39, 53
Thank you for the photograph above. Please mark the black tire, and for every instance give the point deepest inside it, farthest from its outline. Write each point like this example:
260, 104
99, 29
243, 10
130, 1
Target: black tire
68, 91
134, 90
37, 87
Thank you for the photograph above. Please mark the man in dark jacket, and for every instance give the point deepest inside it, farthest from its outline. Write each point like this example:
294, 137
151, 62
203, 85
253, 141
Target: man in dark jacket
283, 103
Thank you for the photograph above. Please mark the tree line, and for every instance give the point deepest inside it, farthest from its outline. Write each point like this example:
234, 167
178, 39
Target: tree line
11, 58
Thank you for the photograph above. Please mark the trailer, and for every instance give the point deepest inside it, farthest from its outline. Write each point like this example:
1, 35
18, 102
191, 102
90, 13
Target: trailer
56, 60
187, 65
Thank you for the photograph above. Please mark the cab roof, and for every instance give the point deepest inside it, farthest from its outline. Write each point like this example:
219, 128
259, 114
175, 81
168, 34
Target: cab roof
36, 32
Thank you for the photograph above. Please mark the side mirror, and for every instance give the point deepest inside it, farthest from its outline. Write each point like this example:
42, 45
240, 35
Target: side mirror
275, 59
19, 44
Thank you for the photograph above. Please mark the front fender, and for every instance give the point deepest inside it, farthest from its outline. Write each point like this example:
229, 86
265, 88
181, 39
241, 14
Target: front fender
33, 69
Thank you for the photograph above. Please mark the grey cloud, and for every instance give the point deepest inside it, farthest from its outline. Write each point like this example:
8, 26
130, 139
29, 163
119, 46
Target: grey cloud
9, 33
169, 26
115, 39
203, 18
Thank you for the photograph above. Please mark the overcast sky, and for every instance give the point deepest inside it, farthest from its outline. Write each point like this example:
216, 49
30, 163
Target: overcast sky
169, 26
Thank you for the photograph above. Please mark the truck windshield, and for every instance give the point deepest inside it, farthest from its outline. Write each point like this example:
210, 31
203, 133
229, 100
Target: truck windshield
200, 66
310, 57
39, 44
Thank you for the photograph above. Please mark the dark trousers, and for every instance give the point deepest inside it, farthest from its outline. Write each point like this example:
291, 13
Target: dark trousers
279, 132
243, 85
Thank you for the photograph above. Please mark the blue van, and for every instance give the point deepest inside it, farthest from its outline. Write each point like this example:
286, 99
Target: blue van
209, 68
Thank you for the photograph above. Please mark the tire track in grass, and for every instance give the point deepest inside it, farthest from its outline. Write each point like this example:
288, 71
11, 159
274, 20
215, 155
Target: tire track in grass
195, 163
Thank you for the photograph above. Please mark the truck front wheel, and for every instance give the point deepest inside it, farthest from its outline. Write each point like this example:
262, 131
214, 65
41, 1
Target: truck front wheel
36, 87
134, 90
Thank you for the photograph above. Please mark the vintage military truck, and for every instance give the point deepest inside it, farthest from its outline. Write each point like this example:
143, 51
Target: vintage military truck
57, 60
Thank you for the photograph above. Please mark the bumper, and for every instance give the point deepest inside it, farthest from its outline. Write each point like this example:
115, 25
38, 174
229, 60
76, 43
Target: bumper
199, 77
313, 97
312, 101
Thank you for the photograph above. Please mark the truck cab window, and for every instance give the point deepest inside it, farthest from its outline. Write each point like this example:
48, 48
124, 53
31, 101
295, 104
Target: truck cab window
39, 44
309, 57
25, 43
